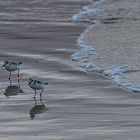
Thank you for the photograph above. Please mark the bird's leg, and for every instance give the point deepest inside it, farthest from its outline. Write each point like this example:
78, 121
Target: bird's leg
42, 101
41, 94
18, 74
9, 76
19, 82
35, 95
10, 81
35, 101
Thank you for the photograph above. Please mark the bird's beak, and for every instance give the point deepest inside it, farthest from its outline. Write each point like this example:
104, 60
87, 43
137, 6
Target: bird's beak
3, 66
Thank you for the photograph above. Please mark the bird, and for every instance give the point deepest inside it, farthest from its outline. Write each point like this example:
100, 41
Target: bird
37, 85
12, 66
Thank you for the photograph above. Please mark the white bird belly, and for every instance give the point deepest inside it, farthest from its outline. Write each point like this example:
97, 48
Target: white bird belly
37, 86
11, 68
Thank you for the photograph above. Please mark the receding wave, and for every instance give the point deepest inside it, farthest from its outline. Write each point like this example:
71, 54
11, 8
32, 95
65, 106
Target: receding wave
120, 63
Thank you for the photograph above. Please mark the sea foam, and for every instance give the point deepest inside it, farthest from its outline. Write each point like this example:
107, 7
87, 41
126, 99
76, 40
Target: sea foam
119, 78
86, 13
85, 51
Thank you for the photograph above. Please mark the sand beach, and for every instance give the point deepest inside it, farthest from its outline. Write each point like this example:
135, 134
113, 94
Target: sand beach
77, 105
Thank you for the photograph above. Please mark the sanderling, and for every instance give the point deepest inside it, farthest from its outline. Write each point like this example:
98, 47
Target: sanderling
12, 66
37, 85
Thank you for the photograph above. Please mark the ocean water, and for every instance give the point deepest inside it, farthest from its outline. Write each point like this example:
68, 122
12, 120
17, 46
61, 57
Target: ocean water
18, 19
111, 43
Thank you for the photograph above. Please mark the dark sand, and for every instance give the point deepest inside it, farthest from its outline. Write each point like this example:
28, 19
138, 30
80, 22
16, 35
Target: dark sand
79, 105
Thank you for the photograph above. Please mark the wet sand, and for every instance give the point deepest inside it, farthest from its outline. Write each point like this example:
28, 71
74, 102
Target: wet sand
77, 105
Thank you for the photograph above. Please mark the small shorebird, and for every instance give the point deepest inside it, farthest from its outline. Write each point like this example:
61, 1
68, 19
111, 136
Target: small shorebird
12, 66
37, 85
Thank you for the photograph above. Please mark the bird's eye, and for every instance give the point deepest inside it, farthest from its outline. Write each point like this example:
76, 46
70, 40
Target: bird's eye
6, 62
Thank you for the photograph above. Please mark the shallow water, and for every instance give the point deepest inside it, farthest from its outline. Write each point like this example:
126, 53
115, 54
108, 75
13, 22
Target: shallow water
115, 40
32, 32
78, 105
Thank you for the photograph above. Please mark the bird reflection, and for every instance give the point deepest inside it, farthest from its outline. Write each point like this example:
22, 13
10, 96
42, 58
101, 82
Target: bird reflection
38, 108
12, 90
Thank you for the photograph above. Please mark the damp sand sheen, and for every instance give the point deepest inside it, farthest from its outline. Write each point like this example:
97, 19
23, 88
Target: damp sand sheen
77, 104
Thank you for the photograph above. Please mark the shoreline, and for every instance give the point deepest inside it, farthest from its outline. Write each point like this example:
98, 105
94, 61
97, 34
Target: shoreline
79, 105
86, 51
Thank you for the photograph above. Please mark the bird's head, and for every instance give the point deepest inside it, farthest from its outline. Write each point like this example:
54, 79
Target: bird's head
5, 62
20, 63
30, 81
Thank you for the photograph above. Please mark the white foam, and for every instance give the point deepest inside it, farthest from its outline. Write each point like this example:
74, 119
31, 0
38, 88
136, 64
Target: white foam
89, 67
91, 12
85, 52
87, 13
118, 76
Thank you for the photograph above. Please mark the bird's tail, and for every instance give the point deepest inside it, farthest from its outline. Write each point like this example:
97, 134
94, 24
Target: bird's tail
45, 84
